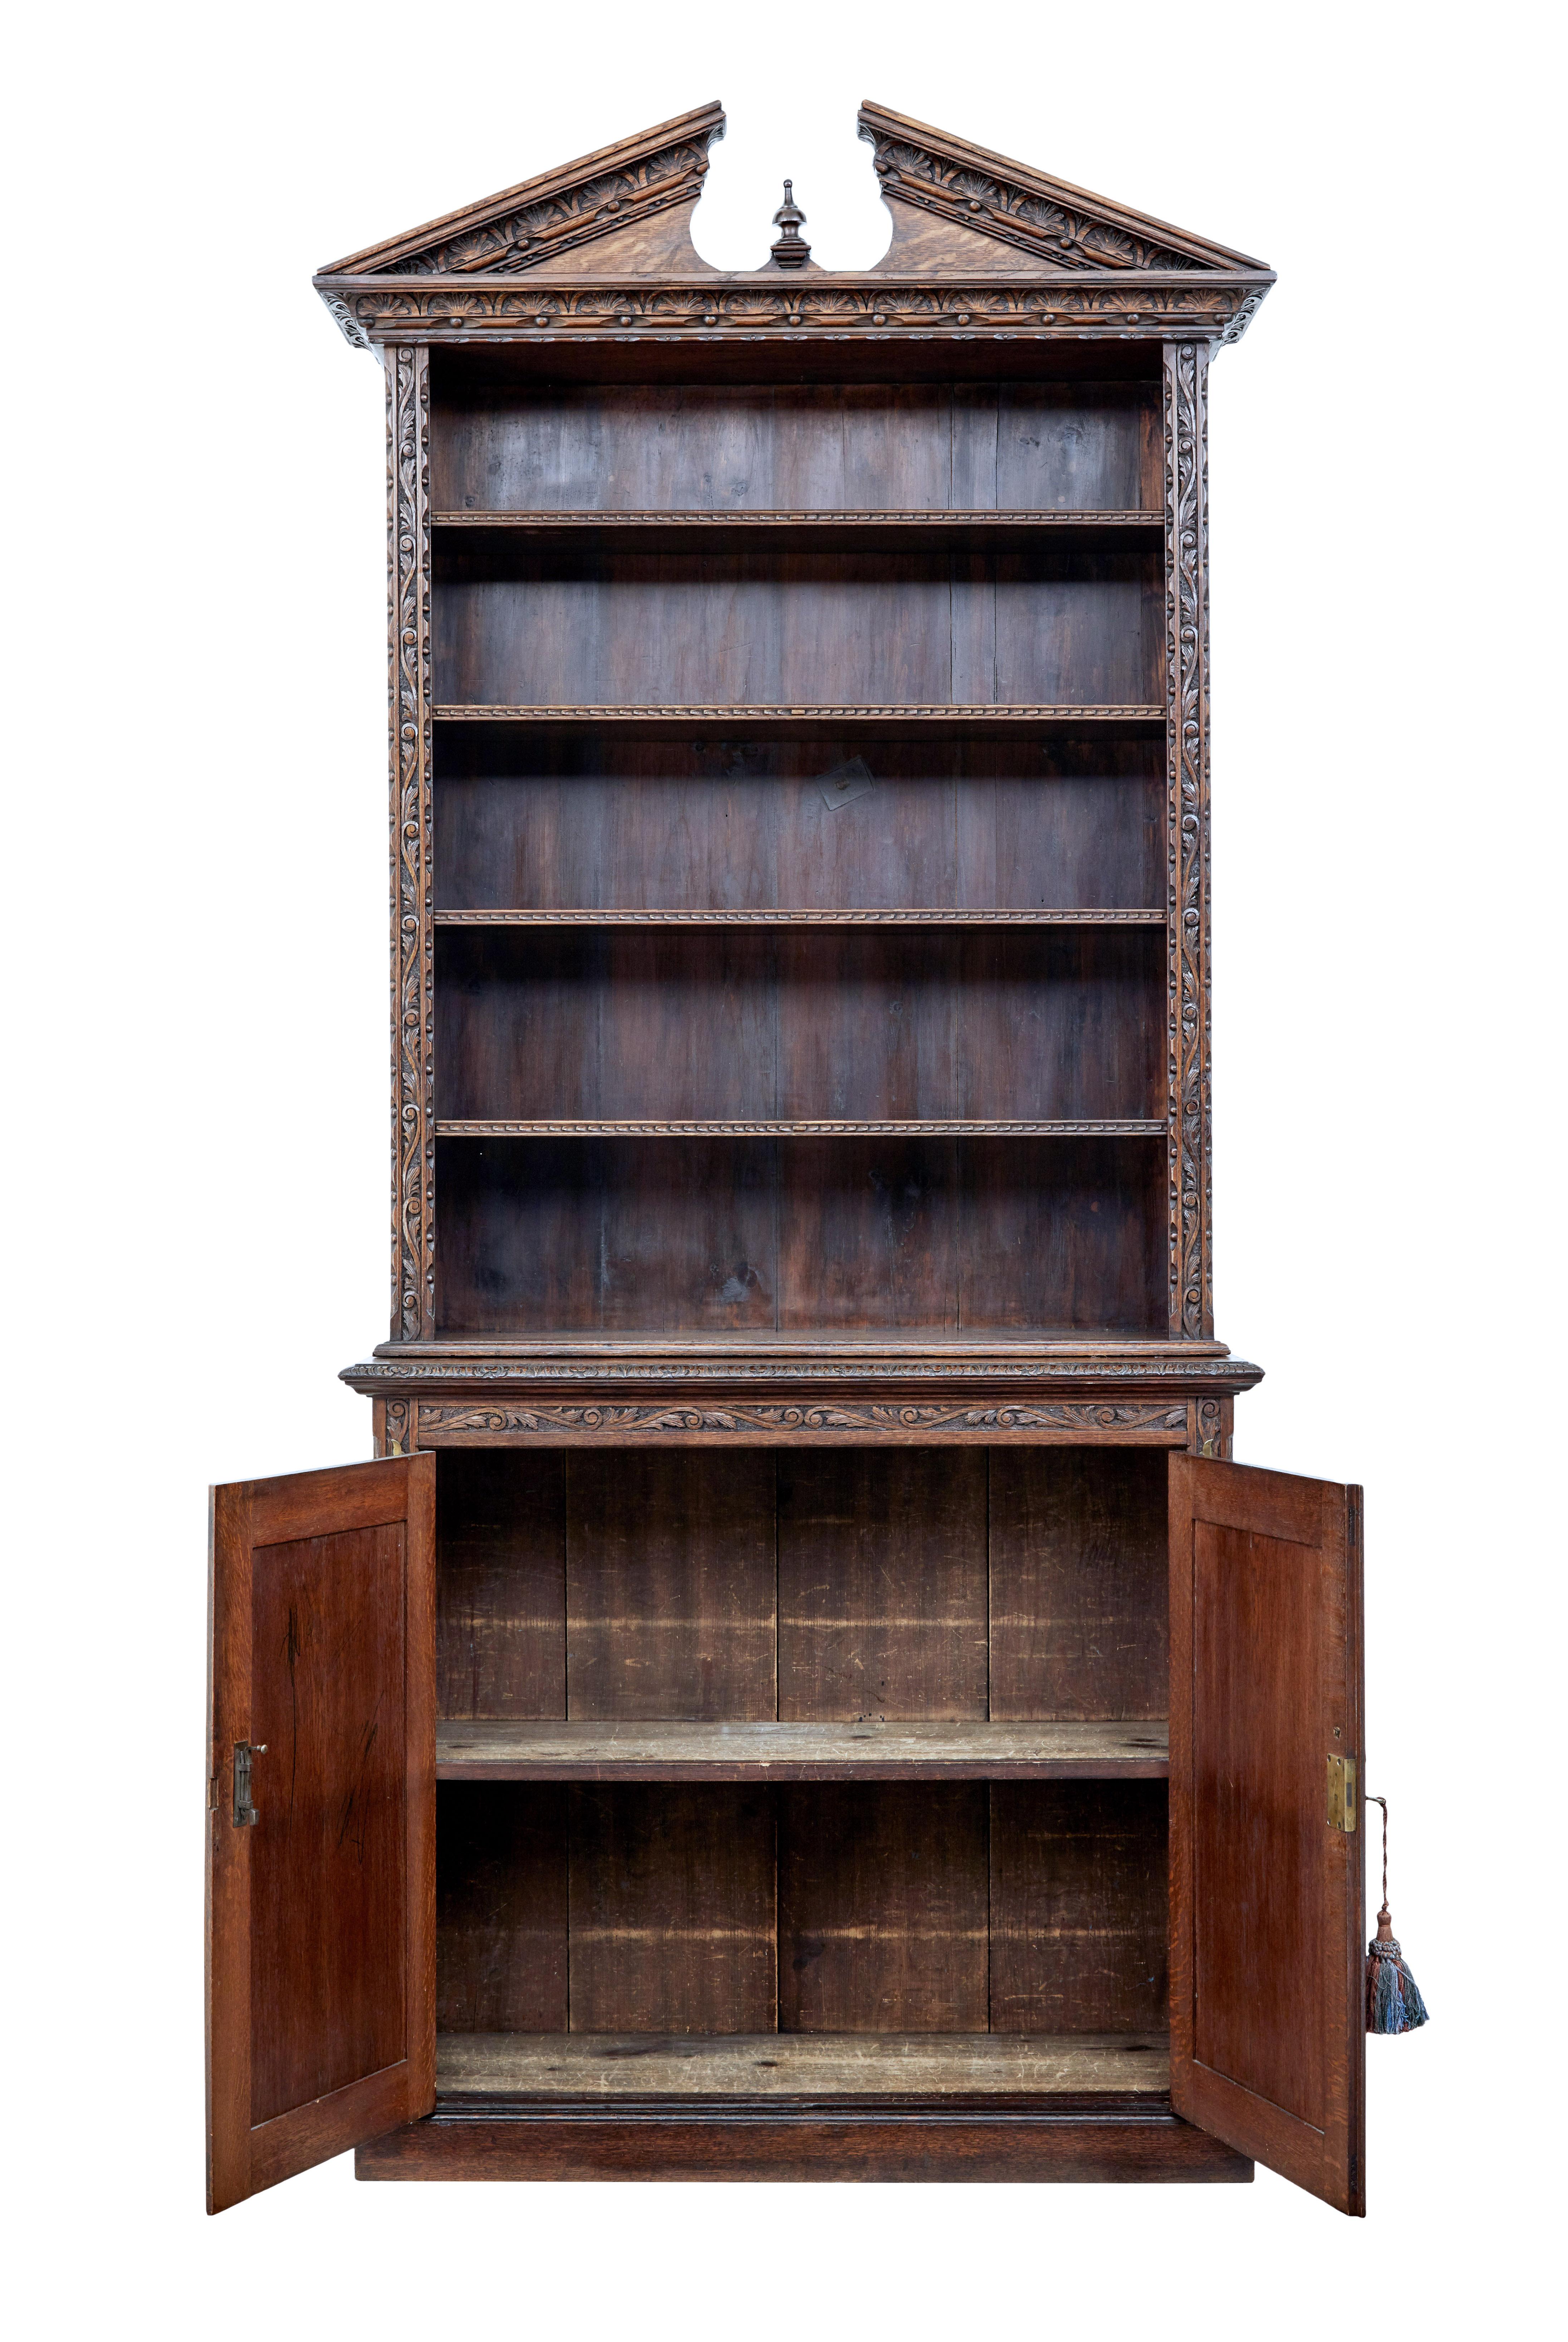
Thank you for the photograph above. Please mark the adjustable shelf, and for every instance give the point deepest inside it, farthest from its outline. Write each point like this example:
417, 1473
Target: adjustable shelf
868, 1751
588, 2066
882, 917
471, 1129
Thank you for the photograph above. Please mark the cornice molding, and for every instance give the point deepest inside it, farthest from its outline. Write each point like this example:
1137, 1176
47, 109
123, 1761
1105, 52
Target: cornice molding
1109, 1381
1129, 305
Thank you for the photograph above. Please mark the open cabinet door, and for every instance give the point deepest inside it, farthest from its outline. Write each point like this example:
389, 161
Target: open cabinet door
1267, 2030
321, 1827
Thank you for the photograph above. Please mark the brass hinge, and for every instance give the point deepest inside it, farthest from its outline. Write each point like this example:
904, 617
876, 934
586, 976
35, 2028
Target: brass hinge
1341, 1799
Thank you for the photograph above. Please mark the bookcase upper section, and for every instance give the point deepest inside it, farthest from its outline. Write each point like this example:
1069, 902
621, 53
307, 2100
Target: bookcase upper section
600, 249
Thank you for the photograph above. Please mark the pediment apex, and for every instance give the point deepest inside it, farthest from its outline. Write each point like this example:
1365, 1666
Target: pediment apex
981, 198
645, 181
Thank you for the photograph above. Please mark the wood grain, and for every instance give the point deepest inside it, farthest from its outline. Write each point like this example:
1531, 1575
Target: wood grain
882, 1900
648, 817
501, 1941
1079, 1572
1268, 2040
1078, 1906
799, 2064
671, 1580
673, 1924
319, 1955
882, 1585
501, 1585
864, 1751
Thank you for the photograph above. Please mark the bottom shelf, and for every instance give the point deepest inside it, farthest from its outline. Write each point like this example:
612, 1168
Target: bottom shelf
818, 2065
871, 2107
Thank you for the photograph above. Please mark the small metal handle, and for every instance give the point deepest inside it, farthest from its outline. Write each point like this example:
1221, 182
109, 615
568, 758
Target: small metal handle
245, 1814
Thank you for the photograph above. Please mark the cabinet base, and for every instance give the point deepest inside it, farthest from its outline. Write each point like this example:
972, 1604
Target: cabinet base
491, 2141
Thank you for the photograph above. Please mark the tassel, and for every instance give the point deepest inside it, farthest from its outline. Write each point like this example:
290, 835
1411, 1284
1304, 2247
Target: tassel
1394, 2001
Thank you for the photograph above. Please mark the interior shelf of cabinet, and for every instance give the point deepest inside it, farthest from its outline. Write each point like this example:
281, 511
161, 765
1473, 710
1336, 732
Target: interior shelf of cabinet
474, 1128
927, 916
868, 1751
983, 711
800, 2065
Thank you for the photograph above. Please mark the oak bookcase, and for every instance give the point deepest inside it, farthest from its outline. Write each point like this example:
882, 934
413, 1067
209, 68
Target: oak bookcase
802, 1692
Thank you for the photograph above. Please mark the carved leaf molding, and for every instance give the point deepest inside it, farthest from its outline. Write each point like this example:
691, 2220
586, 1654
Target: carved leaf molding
572, 216
1216, 307
929, 1421
1059, 235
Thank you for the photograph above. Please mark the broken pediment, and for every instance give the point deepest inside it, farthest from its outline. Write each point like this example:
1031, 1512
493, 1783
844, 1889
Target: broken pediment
960, 209
631, 203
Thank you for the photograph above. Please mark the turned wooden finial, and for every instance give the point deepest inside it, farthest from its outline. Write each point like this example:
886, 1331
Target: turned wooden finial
791, 250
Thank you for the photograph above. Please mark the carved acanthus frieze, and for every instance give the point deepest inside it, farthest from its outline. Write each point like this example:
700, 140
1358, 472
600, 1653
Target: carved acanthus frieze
1150, 307
438, 1424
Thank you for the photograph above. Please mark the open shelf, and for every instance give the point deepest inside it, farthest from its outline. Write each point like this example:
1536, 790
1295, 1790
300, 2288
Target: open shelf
800, 2065
925, 917
802, 531
484, 1129
1151, 712
869, 1751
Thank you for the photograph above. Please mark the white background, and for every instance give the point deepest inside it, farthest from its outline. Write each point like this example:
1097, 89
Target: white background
198, 1093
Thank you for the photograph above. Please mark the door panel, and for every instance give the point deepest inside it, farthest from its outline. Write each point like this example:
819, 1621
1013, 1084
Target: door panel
321, 1910
1267, 2046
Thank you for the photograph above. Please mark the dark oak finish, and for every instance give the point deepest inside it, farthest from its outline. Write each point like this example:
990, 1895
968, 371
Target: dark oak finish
321, 2020
1267, 1929
673, 1924
802, 1250
883, 1920
987, 2144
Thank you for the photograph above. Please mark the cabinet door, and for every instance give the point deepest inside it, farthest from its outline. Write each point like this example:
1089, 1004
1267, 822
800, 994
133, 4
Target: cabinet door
1267, 2041
321, 1901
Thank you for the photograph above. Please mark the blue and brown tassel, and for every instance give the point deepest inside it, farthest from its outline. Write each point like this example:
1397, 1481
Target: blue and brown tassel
1394, 2001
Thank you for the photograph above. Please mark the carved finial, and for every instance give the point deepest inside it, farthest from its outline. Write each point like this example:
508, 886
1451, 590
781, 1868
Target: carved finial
791, 250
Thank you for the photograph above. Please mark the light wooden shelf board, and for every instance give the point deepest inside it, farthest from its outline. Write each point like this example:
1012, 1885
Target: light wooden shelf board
869, 1751
800, 2065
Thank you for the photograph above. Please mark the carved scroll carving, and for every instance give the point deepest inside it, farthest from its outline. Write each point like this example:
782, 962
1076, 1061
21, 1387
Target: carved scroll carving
1192, 1311
1215, 1418
412, 931
612, 1423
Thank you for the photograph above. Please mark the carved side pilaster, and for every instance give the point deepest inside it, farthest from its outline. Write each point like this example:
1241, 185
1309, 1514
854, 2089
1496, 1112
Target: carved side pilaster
1186, 365
412, 927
